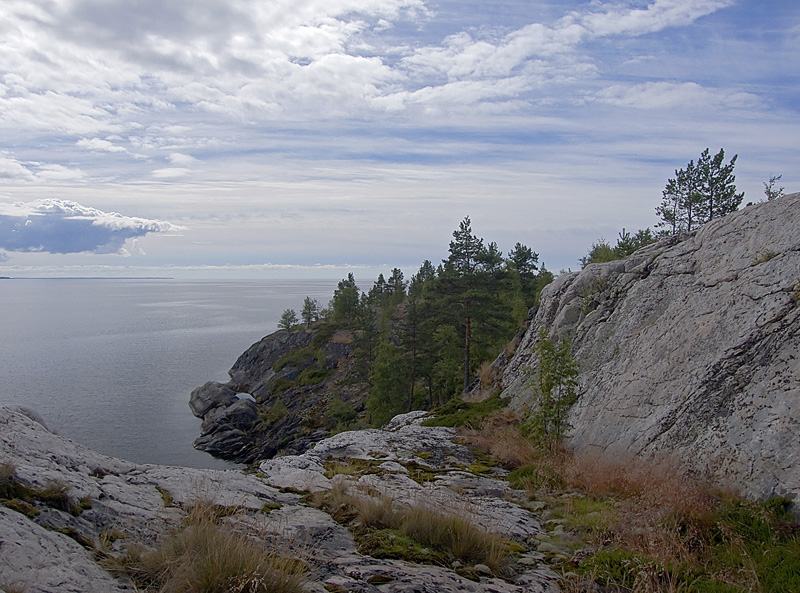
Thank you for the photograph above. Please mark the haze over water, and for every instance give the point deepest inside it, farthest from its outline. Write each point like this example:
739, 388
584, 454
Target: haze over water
111, 363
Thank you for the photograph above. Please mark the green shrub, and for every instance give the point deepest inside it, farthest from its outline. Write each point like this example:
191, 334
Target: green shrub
301, 357
312, 376
324, 332
343, 413
457, 412
555, 389
270, 416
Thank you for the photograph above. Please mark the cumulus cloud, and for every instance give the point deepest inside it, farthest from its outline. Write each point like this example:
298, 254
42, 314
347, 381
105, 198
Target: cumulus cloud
11, 168
59, 226
92, 67
177, 158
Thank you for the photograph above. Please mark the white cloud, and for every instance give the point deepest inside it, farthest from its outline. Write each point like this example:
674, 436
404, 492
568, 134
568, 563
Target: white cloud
620, 19
59, 173
34, 172
667, 95
100, 145
176, 158
60, 226
171, 172
11, 168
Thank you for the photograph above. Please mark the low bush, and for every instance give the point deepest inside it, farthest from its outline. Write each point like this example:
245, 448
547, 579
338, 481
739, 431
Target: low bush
457, 412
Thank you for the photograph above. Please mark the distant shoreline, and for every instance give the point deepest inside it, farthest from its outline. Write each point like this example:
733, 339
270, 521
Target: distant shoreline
87, 278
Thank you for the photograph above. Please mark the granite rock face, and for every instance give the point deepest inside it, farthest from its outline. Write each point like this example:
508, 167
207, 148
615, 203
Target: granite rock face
278, 396
55, 550
688, 348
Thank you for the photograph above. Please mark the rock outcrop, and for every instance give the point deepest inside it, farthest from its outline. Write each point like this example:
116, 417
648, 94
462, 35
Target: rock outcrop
279, 396
47, 549
689, 348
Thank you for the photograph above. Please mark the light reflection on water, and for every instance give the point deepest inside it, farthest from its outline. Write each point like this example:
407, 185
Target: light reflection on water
111, 363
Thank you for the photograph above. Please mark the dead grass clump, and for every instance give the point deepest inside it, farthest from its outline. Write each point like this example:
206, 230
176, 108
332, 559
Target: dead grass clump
207, 556
500, 436
485, 374
454, 533
419, 532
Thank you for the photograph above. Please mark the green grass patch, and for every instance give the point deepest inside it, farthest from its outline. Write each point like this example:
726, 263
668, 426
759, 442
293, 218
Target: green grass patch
742, 547
313, 376
457, 412
393, 544
535, 477
418, 533
300, 358
21, 498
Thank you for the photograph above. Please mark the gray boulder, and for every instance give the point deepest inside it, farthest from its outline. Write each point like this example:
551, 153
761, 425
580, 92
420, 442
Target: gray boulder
210, 396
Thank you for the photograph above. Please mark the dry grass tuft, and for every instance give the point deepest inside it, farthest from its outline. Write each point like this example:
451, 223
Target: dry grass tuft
647, 525
450, 533
207, 556
501, 437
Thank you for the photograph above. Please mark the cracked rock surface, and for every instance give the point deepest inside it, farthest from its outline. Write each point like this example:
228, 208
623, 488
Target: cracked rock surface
689, 348
141, 503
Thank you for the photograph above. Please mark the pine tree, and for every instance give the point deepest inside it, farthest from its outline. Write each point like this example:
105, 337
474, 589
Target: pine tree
717, 188
310, 311
699, 193
288, 320
468, 285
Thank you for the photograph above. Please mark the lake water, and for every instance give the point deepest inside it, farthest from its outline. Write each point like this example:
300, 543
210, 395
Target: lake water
111, 363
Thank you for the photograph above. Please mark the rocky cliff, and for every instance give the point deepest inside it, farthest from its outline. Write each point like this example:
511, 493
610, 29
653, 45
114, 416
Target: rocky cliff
287, 391
689, 348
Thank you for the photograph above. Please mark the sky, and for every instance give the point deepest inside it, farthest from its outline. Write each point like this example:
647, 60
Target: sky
313, 138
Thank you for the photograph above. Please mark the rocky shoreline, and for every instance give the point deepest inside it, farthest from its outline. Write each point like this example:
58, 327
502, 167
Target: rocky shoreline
51, 549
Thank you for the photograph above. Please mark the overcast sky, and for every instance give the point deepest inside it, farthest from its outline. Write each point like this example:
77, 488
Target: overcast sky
310, 138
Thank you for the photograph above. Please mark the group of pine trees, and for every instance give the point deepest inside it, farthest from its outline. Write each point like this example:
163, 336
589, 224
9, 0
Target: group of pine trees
698, 193
701, 192
420, 342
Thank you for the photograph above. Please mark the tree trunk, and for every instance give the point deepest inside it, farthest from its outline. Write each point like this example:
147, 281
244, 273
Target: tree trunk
467, 331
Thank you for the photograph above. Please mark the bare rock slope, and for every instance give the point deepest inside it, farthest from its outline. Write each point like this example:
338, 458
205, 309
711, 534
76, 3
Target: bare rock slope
688, 348
111, 504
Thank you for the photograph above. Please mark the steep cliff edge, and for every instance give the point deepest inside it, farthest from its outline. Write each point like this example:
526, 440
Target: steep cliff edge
287, 392
688, 348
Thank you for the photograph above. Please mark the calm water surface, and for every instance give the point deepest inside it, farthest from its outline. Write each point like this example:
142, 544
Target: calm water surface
111, 363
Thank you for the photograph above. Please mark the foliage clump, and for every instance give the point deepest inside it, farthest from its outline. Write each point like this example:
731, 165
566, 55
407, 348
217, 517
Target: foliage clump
701, 192
555, 389
602, 251
419, 343
458, 412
